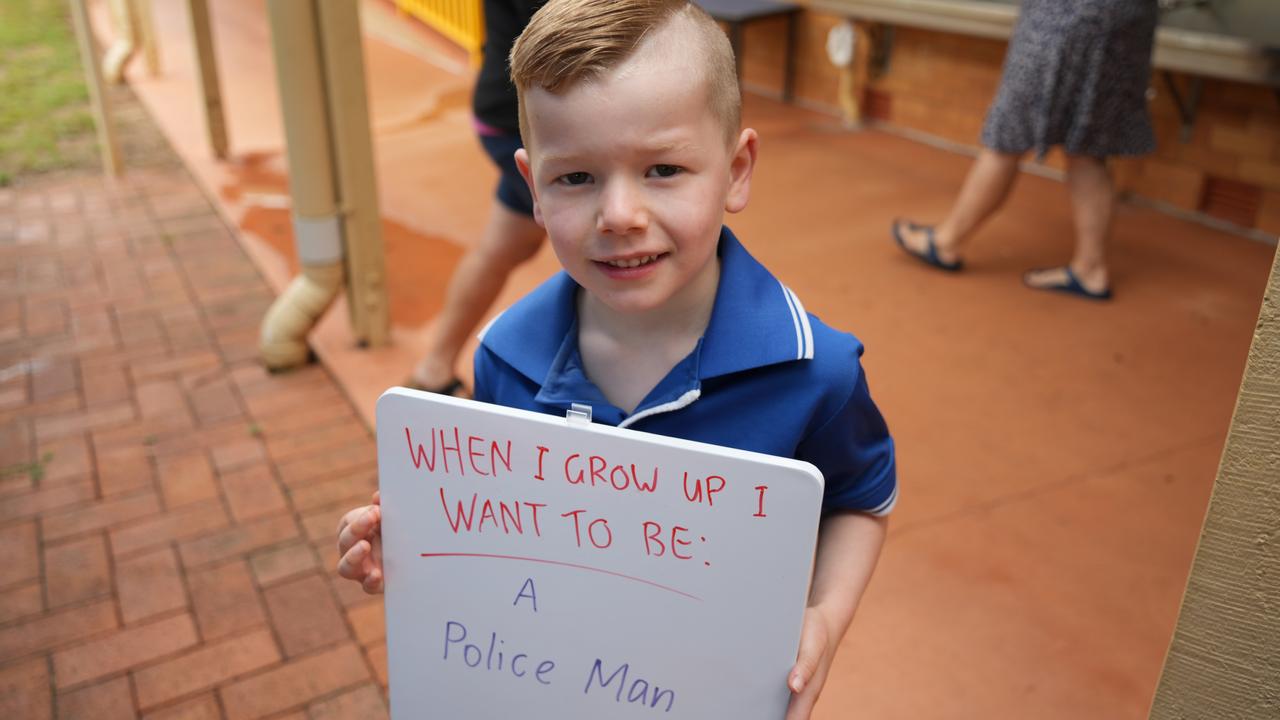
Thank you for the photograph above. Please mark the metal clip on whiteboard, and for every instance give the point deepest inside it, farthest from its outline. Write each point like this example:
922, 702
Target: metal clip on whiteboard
578, 413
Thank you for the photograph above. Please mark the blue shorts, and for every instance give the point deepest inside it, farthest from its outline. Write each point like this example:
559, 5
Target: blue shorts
512, 189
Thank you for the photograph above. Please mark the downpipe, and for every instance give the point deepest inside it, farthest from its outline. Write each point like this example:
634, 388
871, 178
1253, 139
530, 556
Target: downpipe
283, 340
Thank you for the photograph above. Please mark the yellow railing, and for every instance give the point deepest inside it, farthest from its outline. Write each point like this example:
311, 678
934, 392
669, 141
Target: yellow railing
462, 21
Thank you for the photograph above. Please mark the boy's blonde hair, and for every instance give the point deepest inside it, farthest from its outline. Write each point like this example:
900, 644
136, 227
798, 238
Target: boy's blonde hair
569, 41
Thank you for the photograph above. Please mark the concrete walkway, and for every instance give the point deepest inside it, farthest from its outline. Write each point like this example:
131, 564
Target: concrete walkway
167, 508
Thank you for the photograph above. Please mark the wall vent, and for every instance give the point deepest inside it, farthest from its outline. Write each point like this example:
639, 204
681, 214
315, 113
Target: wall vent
1231, 200
879, 105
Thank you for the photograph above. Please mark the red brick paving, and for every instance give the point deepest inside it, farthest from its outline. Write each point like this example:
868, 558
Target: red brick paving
166, 507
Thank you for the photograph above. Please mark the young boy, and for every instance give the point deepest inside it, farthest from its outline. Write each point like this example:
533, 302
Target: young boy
661, 321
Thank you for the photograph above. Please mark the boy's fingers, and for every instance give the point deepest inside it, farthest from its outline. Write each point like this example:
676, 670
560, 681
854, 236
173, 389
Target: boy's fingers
807, 675
365, 521
377, 497
351, 564
804, 692
349, 517
372, 583
360, 546
813, 645
347, 538
800, 674
357, 525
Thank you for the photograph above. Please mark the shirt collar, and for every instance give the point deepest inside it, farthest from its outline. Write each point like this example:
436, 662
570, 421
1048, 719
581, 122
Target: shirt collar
756, 321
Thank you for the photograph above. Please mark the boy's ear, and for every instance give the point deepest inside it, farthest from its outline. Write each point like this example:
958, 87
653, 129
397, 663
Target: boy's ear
740, 167
526, 172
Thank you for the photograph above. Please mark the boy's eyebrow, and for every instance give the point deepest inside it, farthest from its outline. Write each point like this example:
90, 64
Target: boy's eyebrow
672, 146
661, 147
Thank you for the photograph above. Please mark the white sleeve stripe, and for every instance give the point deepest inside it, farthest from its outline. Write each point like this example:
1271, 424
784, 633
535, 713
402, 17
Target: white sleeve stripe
885, 507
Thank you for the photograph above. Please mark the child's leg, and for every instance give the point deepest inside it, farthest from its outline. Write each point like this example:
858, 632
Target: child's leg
509, 239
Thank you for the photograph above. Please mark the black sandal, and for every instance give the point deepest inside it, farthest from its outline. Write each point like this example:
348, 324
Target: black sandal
930, 254
1070, 286
450, 388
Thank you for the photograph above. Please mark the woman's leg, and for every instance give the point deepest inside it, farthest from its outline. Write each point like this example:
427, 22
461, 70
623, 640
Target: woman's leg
1092, 200
984, 190
509, 239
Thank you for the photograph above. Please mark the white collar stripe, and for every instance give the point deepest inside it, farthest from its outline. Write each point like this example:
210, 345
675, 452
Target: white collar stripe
795, 320
804, 330
485, 329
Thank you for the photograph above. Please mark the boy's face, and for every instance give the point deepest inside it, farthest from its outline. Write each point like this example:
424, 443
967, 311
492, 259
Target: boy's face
631, 175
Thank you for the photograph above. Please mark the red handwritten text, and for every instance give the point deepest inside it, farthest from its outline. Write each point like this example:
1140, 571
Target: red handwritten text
598, 532
711, 485
509, 517
620, 477
654, 546
475, 449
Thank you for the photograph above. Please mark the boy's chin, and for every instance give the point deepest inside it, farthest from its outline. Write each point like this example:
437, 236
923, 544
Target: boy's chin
630, 303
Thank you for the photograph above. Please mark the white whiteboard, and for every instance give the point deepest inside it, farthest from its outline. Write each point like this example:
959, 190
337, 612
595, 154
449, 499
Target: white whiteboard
666, 583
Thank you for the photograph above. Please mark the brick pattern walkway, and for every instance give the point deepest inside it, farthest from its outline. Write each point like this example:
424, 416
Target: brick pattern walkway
166, 507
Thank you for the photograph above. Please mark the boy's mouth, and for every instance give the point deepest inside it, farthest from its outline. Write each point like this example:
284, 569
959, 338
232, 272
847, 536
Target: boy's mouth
631, 262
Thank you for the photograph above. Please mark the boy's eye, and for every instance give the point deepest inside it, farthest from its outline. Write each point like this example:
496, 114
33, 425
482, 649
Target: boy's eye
665, 170
575, 178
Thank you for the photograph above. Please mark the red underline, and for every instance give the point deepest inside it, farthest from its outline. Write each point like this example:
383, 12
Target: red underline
566, 564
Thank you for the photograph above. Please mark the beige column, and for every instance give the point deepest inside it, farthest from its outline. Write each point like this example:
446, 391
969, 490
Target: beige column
107, 143
117, 56
342, 50
131, 20
1224, 661
207, 72
146, 31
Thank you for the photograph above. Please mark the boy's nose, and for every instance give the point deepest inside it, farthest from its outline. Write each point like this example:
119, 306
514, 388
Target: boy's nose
621, 209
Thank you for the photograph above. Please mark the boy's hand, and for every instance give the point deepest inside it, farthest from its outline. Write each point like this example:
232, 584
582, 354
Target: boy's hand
360, 546
812, 663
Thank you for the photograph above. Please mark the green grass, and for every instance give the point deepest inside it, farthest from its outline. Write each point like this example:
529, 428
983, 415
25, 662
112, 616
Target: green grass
34, 470
45, 122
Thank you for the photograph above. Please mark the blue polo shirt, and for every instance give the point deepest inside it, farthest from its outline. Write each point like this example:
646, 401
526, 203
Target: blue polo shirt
766, 377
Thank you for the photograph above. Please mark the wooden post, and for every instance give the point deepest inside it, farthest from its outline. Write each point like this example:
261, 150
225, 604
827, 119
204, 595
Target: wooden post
354, 169
146, 32
107, 143
125, 42
857, 75
207, 71
1224, 660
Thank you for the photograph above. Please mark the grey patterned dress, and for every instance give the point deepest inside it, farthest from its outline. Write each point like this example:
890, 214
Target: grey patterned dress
1076, 75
